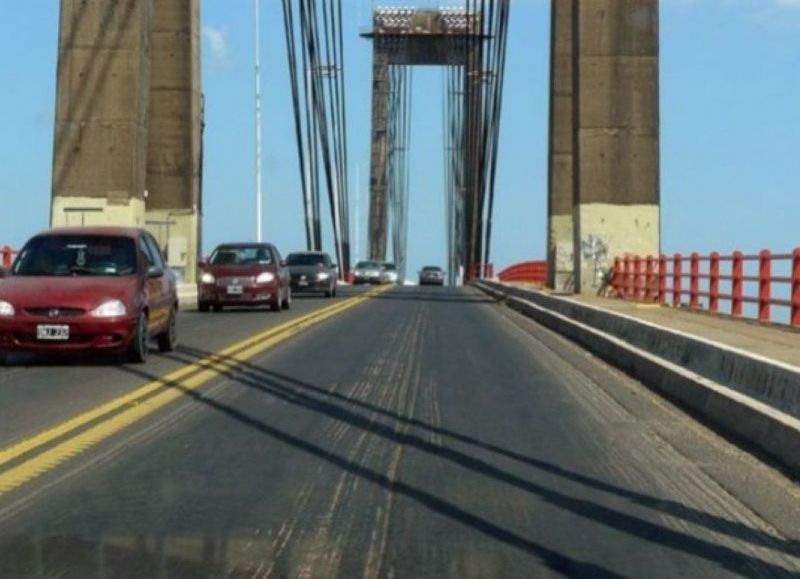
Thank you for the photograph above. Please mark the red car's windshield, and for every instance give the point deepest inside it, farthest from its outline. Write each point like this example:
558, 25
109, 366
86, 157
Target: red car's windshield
71, 255
241, 256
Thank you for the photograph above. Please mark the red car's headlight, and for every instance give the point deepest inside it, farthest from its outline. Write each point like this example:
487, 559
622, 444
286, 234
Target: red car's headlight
110, 309
265, 277
6, 310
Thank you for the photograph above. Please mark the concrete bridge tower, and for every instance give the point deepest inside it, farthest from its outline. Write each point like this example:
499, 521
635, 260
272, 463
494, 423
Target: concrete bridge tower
604, 191
128, 129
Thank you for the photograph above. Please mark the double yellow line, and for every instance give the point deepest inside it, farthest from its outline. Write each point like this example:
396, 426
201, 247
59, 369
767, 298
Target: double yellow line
98, 424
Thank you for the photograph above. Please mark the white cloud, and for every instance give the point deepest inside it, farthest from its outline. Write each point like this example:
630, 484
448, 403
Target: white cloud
217, 42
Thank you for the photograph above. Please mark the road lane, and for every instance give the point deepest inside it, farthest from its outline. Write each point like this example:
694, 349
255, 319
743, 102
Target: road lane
37, 391
428, 433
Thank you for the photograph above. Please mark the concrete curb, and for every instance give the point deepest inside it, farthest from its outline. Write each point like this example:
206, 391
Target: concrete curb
760, 424
187, 296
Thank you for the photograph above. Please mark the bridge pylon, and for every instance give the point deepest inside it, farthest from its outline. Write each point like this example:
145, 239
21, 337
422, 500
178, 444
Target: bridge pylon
604, 188
127, 147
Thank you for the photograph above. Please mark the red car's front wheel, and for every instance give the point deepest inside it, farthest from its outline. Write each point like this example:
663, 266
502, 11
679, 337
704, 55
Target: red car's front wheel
138, 349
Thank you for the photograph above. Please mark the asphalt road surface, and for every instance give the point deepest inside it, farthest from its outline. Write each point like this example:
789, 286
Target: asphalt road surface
413, 432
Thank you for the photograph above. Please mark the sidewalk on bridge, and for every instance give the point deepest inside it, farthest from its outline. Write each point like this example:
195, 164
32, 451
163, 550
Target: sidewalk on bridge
742, 376
780, 343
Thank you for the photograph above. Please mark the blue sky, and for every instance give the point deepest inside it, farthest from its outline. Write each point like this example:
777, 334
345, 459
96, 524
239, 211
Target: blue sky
730, 105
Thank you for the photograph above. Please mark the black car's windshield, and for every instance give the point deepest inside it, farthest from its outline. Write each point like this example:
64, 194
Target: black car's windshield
368, 265
432, 269
317, 259
66, 255
245, 255
389, 267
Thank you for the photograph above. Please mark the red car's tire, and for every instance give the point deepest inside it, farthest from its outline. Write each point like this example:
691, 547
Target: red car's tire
287, 302
139, 347
168, 339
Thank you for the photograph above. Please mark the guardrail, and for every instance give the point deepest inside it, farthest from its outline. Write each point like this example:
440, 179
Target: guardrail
752, 286
7, 256
527, 271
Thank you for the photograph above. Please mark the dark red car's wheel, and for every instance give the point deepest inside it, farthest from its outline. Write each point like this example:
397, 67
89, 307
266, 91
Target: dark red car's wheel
138, 350
169, 337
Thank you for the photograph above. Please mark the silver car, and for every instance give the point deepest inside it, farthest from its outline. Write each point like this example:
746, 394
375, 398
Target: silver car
431, 275
367, 272
389, 273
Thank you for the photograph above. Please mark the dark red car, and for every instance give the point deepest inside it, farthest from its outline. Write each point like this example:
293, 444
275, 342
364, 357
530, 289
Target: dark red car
244, 274
98, 289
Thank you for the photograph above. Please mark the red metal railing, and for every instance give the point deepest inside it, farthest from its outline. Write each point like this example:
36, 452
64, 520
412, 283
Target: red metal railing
527, 271
6, 256
743, 285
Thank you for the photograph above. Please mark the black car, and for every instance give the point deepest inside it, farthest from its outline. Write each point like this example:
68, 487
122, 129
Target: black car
431, 275
312, 271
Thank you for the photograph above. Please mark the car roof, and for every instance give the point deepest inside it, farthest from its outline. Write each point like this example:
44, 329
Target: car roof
132, 232
243, 244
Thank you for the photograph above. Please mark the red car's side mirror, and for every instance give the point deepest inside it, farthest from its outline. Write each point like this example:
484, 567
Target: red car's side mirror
283, 263
202, 263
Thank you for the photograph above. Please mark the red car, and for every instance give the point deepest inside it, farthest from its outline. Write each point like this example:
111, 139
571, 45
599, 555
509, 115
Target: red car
98, 289
244, 274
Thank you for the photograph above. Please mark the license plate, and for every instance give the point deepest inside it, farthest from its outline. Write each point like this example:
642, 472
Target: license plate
52, 332
235, 290
302, 283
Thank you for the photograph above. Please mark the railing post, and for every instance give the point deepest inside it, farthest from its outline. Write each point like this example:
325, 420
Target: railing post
764, 285
628, 268
662, 279
737, 283
649, 280
796, 287
7, 255
637, 278
713, 283
677, 280
694, 282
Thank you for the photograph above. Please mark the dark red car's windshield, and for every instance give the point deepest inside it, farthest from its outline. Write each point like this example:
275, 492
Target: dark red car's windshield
241, 256
307, 259
72, 255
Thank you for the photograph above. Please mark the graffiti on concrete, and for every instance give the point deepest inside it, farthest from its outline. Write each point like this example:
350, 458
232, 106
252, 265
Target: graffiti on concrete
595, 250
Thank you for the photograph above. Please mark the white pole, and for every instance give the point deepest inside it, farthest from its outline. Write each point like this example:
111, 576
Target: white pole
358, 211
258, 120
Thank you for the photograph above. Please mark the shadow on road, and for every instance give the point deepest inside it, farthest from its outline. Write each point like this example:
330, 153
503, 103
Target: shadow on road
337, 407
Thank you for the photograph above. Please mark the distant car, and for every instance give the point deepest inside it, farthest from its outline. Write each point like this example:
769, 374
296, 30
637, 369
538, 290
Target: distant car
97, 289
312, 271
244, 274
389, 273
431, 275
367, 272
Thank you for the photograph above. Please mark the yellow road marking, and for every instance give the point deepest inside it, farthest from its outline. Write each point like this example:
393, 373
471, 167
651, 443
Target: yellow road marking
195, 374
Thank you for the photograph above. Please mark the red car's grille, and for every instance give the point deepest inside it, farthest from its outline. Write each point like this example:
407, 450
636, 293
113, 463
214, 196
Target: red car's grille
55, 312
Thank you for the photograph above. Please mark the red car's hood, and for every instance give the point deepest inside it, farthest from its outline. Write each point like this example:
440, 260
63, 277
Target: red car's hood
238, 270
82, 292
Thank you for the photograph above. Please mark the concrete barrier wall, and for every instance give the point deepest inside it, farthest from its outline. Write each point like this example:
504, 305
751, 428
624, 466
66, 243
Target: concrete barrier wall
751, 398
769, 381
